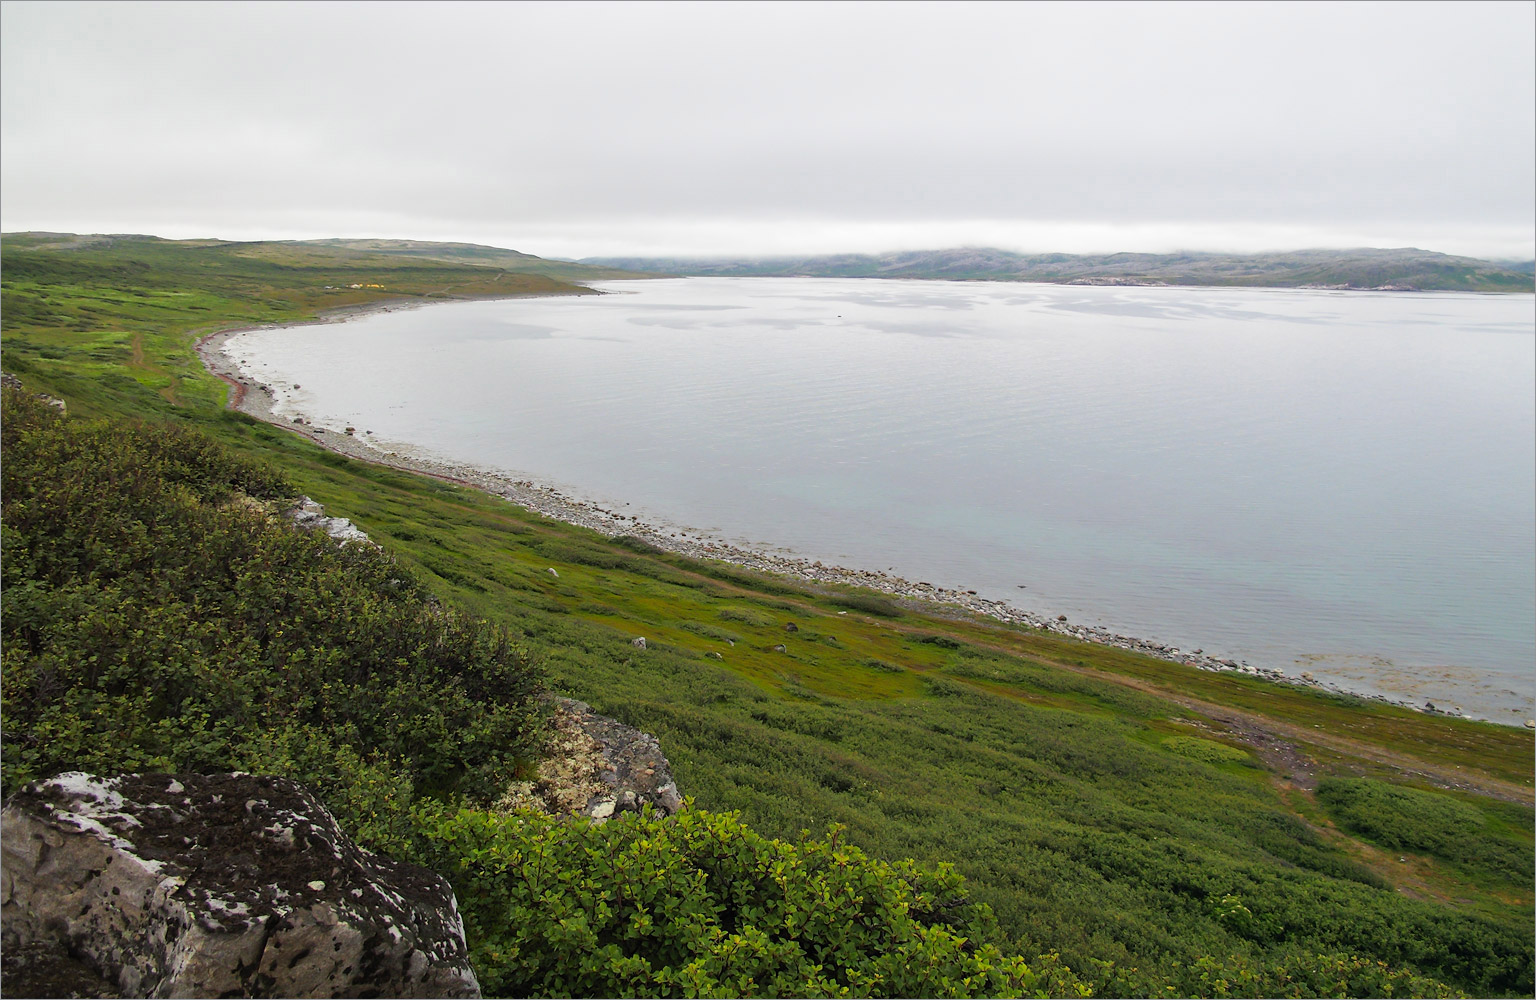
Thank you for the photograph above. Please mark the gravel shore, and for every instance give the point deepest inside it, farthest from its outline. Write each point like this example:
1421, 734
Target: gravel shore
257, 401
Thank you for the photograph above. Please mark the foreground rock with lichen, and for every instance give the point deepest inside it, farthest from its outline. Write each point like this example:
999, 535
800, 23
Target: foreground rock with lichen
216, 885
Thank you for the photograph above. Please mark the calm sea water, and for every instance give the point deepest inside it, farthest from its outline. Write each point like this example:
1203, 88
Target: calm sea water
1342, 483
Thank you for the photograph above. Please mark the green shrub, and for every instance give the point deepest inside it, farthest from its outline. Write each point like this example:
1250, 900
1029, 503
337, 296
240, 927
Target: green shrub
1434, 823
710, 631
869, 604
638, 545
1300, 973
942, 687
1206, 751
746, 579
1293, 840
157, 613
699, 905
562, 550
747, 616
370, 797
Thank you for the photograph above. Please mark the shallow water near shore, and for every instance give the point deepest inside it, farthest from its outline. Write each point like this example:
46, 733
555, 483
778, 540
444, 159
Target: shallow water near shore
1336, 483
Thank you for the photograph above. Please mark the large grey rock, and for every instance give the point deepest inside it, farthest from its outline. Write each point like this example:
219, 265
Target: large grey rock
596, 767
220, 885
631, 768
311, 514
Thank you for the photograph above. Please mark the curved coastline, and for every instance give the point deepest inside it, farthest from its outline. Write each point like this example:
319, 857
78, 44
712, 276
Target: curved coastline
257, 400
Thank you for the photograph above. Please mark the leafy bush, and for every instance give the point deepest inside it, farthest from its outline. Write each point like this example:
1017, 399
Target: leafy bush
369, 796
157, 614
1411, 819
710, 631
638, 545
869, 604
1301, 973
1290, 839
562, 550
747, 616
699, 905
1206, 751
746, 579
943, 687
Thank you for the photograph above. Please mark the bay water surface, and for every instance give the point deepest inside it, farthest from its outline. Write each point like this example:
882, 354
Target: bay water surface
1342, 483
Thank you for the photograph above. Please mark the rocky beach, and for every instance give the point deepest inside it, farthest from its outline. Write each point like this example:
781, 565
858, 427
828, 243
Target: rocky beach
260, 401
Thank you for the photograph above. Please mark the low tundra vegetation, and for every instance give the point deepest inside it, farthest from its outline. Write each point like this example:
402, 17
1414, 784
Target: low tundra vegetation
1020, 813
160, 614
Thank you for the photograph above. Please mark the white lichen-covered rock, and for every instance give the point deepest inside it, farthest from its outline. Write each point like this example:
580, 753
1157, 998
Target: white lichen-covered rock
220, 885
632, 771
12, 382
596, 766
311, 514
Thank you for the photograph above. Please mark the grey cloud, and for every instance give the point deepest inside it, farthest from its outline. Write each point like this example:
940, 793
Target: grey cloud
443, 119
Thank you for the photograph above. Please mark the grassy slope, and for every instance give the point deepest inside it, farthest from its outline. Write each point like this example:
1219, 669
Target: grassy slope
471, 253
1046, 769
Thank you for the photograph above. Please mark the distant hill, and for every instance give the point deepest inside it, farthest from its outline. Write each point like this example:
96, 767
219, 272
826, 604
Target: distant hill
238, 283
344, 253
1395, 270
472, 253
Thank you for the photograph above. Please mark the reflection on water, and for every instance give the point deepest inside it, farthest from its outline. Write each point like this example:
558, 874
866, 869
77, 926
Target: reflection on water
1341, 484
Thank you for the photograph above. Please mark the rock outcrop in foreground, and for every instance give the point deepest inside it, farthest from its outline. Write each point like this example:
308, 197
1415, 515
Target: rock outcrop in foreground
219, 885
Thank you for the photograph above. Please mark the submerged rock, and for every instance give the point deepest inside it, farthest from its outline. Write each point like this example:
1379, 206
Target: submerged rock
219, 885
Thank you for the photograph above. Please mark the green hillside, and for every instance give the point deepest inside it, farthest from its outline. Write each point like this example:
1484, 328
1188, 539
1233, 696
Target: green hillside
469, 253
1154, 829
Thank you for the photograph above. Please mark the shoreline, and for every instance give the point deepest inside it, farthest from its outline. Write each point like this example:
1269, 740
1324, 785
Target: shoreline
258, 401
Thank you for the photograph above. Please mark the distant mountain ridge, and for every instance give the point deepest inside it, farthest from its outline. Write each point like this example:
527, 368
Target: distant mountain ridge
468, 253
355, 252
1406, 269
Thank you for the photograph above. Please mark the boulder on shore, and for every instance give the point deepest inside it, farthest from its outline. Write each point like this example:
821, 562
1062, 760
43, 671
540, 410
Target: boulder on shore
218, 885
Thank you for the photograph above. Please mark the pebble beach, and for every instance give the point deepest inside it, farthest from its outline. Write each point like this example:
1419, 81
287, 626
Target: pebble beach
259, 401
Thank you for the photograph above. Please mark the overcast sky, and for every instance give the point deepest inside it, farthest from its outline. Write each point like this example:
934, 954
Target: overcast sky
578, 129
